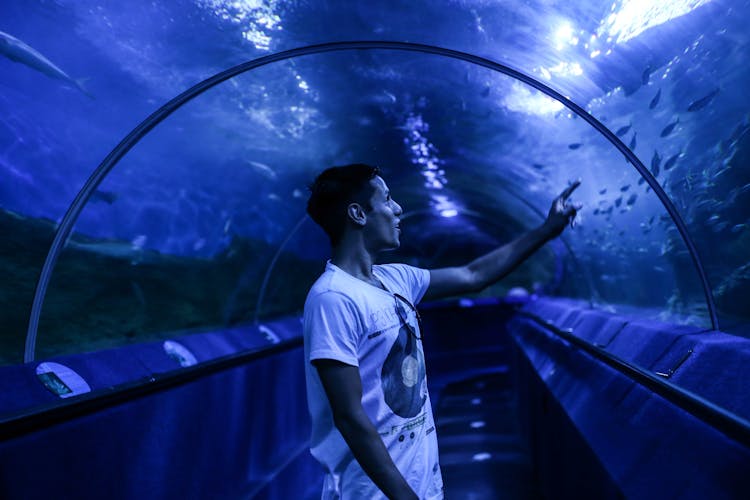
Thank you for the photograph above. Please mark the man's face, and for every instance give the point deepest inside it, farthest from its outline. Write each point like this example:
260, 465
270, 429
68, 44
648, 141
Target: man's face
382, 231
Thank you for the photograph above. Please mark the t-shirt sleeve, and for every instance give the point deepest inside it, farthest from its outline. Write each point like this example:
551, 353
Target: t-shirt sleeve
416, 281
332, 327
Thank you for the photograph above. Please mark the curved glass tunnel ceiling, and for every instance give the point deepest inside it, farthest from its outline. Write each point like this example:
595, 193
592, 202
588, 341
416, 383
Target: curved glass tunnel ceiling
192, 217
178, 199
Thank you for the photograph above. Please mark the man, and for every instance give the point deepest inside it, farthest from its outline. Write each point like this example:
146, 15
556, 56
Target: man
373, 429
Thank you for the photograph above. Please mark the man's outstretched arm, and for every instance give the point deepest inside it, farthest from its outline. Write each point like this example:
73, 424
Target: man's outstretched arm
343, 387
496, 264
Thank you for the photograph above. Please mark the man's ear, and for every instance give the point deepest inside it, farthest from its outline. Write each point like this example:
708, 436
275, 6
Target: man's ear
356, 213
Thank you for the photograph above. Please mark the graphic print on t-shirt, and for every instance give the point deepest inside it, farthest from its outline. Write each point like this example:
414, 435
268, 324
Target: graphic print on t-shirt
403, 376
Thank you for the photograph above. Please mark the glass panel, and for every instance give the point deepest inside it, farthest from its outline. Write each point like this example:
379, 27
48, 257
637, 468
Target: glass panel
181, 230
622, 224
209, 196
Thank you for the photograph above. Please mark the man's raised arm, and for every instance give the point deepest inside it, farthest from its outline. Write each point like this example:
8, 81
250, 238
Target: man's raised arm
496, 264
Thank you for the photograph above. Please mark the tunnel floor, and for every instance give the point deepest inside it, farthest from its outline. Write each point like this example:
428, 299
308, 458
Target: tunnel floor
482, 455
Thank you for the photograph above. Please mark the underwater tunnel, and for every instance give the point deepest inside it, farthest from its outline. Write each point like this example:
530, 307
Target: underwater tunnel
155, 160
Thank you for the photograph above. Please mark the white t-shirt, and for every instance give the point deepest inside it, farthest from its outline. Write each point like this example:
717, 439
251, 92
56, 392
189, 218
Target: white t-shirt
356, 323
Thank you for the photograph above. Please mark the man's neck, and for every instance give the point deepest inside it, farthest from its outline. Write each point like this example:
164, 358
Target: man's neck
355, 261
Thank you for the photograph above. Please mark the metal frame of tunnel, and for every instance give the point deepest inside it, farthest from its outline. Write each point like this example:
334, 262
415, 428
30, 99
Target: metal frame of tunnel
76, 207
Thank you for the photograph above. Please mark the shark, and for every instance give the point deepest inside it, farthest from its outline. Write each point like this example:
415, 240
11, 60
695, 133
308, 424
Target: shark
20, 52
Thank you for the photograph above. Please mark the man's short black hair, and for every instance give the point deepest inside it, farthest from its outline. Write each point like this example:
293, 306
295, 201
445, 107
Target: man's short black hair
334, 190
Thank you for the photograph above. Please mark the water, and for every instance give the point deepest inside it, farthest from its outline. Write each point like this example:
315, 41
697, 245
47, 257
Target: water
216, 188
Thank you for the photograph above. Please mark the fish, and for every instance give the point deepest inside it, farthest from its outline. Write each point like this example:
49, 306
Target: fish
262, 168
18, 51
383, 98
671, 161
104, 196
646, 75
720, 226
738, 132
725, 145
603, 191
575, 145
118, 250
655, 163
703, 101
618, 201
669, 128
538, 166
641, 180
139, 241
486, 91
596, 211
738, 228
721, 171
623, 130
710, 204
689, 181
625, 188
632, 199
655, 100
199, 244
632, 141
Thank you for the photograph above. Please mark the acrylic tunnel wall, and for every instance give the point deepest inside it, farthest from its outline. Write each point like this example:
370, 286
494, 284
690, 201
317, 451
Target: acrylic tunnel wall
206, 228
201, 226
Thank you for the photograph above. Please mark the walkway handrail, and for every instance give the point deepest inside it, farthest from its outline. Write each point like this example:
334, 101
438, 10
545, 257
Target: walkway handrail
732, 425
35, 419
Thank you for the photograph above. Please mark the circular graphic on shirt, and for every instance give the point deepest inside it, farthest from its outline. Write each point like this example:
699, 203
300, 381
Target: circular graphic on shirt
410, 371
403, 375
